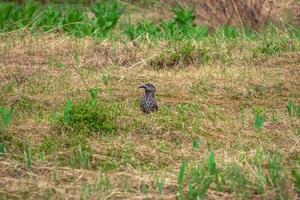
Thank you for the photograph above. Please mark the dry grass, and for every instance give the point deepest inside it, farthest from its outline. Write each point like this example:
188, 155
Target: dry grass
45, 71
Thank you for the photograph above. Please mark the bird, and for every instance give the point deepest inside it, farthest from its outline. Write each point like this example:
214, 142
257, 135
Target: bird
148, 102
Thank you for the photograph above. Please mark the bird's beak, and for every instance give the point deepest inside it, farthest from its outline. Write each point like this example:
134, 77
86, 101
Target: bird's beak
142, 86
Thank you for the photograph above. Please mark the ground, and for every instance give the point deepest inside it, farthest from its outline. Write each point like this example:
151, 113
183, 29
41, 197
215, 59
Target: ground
203, 107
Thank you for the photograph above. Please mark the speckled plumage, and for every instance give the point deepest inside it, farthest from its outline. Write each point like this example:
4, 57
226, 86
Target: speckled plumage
148, 102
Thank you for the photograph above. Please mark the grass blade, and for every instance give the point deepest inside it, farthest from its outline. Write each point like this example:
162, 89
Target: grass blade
2, 149
6, 116
67, 111
181, 177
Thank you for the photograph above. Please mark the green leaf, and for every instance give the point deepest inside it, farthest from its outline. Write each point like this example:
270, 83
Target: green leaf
181, 176
212, 164
67, 111
94, 93
6, 117
260, 118
2, 149
196, 144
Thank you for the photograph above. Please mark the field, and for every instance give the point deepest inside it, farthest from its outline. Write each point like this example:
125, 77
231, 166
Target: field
228, 123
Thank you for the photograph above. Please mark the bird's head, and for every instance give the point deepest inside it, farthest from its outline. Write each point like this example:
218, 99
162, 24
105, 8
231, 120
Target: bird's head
148, 87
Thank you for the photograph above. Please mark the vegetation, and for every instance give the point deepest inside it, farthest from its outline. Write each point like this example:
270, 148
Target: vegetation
70, 125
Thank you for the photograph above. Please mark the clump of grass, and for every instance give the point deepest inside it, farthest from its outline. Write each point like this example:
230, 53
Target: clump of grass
90, 116
180, 55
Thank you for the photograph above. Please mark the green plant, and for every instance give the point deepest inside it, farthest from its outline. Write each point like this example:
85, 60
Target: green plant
227, 32
2, 149
196, 144
184, 17
234, 179
296, 177
28, 156
106, 16
201, 177
105, 78
94, 93
67, 109
49, 19
266, 47
169, 29
159, 184
143, 29
6, 117
293, 109
274, 168
81, 158
180, 178
260, 118
75, 22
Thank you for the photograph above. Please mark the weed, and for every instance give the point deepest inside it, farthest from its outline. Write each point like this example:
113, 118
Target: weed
67, 109
105, 77
49, 144
75, 23
106, 17
227, 32
296, 176
260, 118
6, 117
274, 168
49, 19
293, 109
2, 149
184, 17
81, 158
143, 29
196, 144
180, 178
160, 183
28, 156
94, 93
234, 179
201, 177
